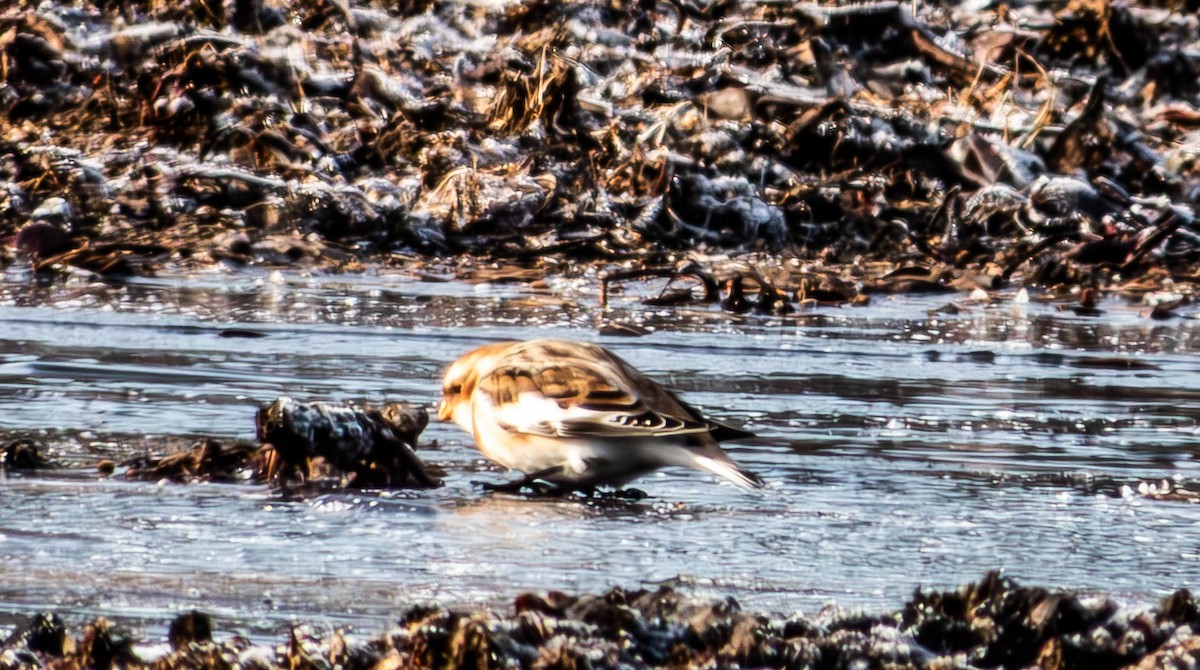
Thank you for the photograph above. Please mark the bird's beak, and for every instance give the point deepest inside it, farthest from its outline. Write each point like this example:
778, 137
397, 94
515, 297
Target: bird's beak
444, 411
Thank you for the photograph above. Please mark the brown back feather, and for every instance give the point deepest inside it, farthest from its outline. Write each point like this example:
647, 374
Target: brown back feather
591, 378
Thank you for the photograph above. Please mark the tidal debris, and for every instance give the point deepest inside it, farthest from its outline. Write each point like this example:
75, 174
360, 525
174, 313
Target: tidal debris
1043, 144
364, 447
22, 454
992, 623
318, 443
207, 460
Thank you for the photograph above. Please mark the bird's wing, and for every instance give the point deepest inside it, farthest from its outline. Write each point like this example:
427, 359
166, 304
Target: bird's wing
585, 396
719, 431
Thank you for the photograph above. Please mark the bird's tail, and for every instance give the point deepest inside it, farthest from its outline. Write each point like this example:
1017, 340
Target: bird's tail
721, 465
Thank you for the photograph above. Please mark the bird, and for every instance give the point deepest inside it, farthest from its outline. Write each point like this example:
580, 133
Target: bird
577, 416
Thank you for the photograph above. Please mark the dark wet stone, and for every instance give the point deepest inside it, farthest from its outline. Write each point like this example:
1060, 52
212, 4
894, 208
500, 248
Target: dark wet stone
188, 628
104, 645
41, 634
1182, 608
42, 239
22, 455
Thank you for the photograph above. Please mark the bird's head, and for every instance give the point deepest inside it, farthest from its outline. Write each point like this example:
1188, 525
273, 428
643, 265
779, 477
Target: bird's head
462, 377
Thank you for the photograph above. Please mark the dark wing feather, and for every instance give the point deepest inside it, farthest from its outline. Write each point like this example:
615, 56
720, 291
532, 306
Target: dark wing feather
720, 432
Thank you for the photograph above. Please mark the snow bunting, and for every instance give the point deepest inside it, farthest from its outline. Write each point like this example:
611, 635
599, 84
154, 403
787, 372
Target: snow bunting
575, 415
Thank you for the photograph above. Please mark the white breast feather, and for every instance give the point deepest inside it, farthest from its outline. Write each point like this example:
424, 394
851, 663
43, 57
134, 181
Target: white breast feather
525, 413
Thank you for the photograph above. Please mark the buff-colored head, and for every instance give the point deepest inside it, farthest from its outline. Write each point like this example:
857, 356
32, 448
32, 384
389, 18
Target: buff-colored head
460, 381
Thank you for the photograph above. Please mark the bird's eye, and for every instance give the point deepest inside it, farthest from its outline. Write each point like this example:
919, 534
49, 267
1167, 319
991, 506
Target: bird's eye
454, 389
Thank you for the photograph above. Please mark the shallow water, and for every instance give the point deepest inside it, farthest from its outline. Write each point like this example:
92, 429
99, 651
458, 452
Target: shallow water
903, 449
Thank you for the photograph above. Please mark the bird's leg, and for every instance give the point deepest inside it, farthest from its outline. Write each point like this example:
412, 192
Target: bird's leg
527, 481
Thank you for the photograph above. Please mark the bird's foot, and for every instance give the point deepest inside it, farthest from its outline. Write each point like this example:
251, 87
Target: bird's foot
536, 487
534, 481
623, 495
630, 494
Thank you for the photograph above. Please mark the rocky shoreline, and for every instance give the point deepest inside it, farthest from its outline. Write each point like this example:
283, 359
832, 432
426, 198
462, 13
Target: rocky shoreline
992, 623
798, 152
